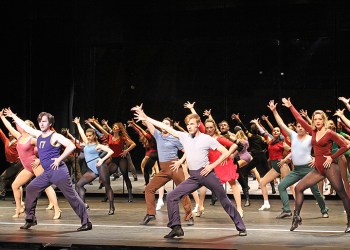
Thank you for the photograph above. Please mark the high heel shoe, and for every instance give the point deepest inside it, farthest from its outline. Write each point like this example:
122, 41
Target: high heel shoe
296, 222
111, 211
200, 212
49, 207
57, 215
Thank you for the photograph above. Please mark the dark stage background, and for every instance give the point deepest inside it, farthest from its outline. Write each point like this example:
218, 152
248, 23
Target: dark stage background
99, 58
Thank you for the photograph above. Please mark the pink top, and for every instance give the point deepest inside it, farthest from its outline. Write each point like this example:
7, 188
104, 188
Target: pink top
26, 152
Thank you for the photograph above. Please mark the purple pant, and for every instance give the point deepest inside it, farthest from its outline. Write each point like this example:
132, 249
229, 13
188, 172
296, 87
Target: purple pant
195, 181
61, 179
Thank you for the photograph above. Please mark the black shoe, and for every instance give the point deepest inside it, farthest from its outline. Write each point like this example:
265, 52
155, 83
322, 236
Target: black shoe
105, 199
213, 200
242, 233
176, 231
190, 222
85, 227
284, 214
147, 219
135, 179
29, 224
296, 222
111, 211
101, 186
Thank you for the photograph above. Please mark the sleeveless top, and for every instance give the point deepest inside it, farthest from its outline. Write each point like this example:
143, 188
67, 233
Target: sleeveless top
91, 157
47, 151
26, 153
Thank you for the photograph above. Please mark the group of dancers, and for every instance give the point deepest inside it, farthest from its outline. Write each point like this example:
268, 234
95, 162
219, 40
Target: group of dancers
307, 153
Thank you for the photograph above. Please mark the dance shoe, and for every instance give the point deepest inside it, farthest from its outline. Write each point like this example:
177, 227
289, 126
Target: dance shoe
264, 207
242, 233
85, 227
175, 232
284, 214
29, 224
147, 219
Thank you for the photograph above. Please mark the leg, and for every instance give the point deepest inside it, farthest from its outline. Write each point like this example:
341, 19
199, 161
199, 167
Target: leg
123, 166
268, 177
104, 177
237, 196
213, 183
22, 178
61, 179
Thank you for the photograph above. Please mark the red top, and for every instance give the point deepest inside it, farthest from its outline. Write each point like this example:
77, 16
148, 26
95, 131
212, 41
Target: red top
11, 153
324, 145
276, 150
152, 144
116, 145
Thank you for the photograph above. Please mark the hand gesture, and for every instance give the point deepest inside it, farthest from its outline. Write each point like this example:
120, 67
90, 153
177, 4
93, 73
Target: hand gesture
235, 117
339, 112
175, 166
8, 112
328, 161
104, 122
344, 100
272, 106
55, 163
286, 102
76, 120
303, 112
207, 112
206, 170
189, 105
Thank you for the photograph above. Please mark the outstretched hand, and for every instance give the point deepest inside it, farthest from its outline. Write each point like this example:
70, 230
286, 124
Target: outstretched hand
189, 105
286, 102
272, 105
76, 120
139, 114
8, 112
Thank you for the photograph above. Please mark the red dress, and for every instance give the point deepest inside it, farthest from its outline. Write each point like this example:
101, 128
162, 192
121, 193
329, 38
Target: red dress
226, 171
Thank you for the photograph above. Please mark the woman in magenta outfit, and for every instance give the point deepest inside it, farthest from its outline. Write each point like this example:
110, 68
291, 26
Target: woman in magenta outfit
26, 151
325, 166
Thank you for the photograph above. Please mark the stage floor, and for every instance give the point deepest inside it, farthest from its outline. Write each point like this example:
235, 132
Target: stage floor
214, 230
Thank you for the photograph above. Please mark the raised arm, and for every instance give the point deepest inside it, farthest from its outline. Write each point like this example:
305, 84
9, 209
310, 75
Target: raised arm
141, 116
177, 125
34, 132
190, 106
80, 129
266, 119
340, 114
345, 101
272, 106
98, 126
8, 125
287, 103
303, 113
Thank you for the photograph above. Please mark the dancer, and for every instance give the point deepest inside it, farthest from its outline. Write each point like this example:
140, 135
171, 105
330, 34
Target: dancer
55, 170
14, 165
276, 147
121, 144
323, 161
26, 150
167, 147
96, 163
301, 157
197, 146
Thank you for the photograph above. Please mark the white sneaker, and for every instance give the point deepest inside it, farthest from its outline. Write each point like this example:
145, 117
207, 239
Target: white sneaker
160, 204
264, 207
195, 210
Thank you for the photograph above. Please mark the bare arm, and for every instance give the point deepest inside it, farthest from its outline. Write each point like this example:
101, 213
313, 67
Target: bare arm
69, 148
190, 106
141, 116
8, 125
272, 106
34, 132
340, 114
266, 119
80, 129
177, 125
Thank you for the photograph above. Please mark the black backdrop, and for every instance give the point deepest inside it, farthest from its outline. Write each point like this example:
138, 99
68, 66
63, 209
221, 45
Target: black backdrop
85, 58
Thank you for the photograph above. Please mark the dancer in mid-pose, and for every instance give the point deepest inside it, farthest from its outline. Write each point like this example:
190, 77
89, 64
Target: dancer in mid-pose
323, 161
55, 170
96, 164
26, 151
197, 146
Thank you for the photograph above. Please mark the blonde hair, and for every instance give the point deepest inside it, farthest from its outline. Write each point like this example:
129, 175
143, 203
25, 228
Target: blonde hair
192, 116
93, 132
241, 135
323, 116
30, 123
217, 131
